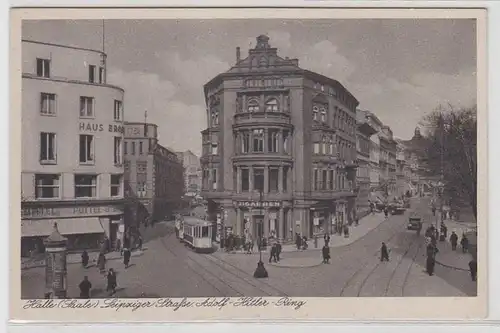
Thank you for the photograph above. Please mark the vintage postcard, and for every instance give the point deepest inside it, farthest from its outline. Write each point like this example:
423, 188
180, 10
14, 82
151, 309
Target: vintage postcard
248, 164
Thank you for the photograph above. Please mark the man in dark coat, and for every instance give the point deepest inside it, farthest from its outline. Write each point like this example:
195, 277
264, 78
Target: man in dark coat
111, 279
126, 257
85, 259
384, 252
85, 287
101, 262
430, 265
272, 256
298, 241
473, 269
465, 243
453, 240
326, 254
386, 212
278, 251
327, 239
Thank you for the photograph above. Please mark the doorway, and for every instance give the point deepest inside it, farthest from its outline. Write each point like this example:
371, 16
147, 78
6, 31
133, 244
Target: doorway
258, 223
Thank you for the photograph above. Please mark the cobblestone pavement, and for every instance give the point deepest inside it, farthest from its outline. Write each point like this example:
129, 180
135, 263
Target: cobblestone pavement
168, 269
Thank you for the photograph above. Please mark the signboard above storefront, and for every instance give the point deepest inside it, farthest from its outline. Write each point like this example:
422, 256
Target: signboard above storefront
257, 204
79, 211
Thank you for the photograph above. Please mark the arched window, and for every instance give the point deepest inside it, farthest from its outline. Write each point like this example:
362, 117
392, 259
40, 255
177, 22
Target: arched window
323, 115
253, 106
315, 112
272, 105
215, 117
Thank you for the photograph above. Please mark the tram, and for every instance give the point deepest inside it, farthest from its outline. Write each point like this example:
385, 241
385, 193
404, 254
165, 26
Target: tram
196, 234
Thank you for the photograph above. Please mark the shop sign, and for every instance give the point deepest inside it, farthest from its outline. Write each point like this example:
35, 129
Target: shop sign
94, 128
258, 204
42, 212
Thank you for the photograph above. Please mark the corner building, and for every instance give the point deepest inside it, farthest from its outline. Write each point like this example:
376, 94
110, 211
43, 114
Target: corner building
279, 153
72, 134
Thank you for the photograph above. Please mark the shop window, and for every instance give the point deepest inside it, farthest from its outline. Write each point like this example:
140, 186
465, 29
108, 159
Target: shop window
245, 142
258, 140
85, 186
273, 180
115, 185
273, 141
48, 148
43, 67
272, 105
46, 186
245, 180
47, 104
258, 179
86, 148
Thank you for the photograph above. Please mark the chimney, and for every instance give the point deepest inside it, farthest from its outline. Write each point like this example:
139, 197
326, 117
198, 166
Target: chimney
238, 54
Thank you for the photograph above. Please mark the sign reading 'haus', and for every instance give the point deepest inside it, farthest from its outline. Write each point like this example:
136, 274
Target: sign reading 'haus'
257, 204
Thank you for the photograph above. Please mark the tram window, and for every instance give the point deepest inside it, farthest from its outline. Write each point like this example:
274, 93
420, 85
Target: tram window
204, 232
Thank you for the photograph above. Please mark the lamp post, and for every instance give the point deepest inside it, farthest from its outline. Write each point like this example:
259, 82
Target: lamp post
260, 271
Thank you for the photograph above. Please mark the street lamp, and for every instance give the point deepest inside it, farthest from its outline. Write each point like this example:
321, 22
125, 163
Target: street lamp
260, 271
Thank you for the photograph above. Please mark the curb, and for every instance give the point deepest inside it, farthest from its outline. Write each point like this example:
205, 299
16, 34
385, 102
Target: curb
299, 266
40, 264
452, 267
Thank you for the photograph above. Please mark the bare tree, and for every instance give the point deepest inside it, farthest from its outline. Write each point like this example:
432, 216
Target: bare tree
451, 152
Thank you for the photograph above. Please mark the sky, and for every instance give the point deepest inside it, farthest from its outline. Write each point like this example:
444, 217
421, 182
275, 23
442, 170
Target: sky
400, 69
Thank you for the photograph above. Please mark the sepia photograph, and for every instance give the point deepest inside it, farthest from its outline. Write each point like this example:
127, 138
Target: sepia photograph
250, 158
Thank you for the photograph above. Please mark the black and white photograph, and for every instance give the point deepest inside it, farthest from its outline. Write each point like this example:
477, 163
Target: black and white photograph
249, 158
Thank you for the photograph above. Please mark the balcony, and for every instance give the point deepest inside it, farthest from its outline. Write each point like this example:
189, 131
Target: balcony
262, 158
261, 118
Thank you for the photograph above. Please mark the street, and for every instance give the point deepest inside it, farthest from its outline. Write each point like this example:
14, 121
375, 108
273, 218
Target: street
168, 269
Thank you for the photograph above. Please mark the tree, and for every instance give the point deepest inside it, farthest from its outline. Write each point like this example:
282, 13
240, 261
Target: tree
451, 152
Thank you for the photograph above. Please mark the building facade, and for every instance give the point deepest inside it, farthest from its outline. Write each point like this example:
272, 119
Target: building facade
279, 151
388, 160
192, 173
364, 149
72, 135
154, 176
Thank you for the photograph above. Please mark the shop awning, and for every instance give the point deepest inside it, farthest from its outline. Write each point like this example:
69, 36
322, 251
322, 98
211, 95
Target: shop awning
37, 228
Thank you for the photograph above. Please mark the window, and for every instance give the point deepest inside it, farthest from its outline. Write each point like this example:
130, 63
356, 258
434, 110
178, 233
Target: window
315, 179
91, 73
85, 186
315, 113
46, 186
118, 150
43, 67
324, 179
273, 141
48, 104
245, 180
115, 185
141, 150
117, 114
48, 147
273, 180
141, 189
215, 118
285, 179
86, 106
102, 77
330, 147
253, 106
324, 146
214, 148
272, 105
331, 180
286, 140
245, 142
133, 148
258, 140
258, 179
214, 179
316, 148
86, 148
323, 115
125, 146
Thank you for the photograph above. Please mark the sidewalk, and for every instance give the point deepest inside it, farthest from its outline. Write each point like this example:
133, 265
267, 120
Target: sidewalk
454, 259
366, 224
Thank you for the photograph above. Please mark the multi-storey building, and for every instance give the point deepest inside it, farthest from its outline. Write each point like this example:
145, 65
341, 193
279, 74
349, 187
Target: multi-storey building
72, 134
192, 173
375, 173
364, 149
279, 153
154, 176
388, 160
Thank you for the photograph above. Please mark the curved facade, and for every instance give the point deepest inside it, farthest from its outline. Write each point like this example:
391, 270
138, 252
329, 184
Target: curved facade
72, 138
279, 150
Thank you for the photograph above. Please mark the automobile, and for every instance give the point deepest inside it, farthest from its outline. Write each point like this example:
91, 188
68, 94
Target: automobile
414, 223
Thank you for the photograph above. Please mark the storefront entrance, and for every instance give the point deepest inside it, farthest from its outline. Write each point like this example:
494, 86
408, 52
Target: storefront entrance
258, 224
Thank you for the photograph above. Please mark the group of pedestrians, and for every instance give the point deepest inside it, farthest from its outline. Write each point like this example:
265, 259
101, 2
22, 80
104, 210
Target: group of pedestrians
86, 286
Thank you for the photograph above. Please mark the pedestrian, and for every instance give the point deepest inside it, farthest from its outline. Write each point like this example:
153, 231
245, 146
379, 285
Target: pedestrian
298, 241
118, 246
326, 254
384, 252
453, 240
346, 231
431, 262
101, 262
272, 256
111, 279
278, 251
327, 239
473, 269
139, 242
386, 212
464, 242
85, 259
304, 243
356, 221
85, 287
126, 257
